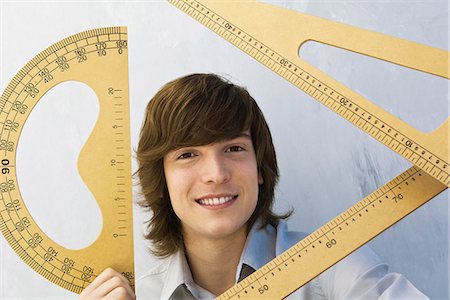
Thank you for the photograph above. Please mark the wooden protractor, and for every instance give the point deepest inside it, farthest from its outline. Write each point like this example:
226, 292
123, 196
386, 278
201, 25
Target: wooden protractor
98, 58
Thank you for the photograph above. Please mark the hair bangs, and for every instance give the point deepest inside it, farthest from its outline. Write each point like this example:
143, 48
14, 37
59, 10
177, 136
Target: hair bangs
208, 118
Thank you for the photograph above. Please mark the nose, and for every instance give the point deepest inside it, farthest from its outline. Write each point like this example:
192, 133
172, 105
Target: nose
215, 169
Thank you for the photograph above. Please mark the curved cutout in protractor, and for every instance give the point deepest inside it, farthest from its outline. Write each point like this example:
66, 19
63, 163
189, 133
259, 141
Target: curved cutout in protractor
99, 59
49, 145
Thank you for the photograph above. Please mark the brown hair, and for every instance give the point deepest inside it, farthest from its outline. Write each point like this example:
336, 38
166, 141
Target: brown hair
194, 110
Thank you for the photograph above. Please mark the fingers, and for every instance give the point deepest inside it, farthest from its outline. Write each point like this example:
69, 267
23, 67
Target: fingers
104, 276
118, 293
108, 285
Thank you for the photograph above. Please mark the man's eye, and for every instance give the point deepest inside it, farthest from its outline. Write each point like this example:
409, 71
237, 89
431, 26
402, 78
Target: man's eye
186, 155
235, 149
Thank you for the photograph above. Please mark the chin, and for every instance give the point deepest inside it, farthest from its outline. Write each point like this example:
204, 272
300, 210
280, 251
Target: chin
221, 229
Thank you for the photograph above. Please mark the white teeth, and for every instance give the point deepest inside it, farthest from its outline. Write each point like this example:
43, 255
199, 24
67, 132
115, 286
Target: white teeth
215, 201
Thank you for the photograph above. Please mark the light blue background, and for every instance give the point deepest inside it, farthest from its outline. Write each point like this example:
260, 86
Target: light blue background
326, 163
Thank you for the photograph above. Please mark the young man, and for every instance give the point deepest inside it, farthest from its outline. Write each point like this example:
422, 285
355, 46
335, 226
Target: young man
208, 171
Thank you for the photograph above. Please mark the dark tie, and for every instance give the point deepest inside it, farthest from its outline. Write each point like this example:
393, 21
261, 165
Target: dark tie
182, 292
245, 271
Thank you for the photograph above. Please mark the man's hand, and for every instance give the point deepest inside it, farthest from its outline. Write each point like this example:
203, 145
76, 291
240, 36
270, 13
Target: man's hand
109, 285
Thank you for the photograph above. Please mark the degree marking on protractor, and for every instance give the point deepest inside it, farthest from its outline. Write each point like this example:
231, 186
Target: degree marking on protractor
79, 57
394, 138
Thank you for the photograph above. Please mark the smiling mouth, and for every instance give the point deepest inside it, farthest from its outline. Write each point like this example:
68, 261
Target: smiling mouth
216, 200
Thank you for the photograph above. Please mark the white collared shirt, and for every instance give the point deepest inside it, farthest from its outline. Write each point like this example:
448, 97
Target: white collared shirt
359, 276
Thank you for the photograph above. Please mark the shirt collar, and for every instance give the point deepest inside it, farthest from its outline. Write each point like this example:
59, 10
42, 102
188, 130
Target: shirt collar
179, 274
259, 249
176, 274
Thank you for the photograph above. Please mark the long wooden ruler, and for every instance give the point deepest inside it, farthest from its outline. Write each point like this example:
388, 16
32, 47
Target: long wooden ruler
98, 58
273, 35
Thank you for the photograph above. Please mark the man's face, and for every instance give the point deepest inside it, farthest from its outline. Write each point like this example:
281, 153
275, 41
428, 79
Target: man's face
213, 188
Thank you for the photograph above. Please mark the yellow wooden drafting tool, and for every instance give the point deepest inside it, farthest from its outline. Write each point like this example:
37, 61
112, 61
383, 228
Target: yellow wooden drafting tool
273, 35
98, 58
